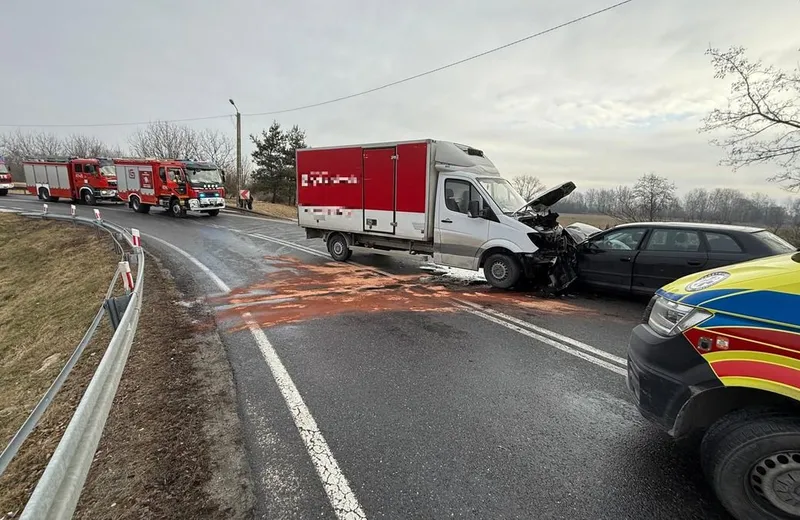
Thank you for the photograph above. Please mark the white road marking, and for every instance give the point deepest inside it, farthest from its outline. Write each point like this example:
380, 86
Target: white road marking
344, 502
555, 335
208, 272
342, 499
289, 244
547, 341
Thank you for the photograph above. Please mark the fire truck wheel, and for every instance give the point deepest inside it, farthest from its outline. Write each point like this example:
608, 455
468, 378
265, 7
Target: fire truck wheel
138, 207
88, 198
175, 209
753, 463
338, 248
213, 213
502, 271
42, 194
3, 193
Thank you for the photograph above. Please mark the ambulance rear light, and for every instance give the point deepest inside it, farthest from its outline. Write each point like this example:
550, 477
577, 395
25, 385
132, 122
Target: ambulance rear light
670, 318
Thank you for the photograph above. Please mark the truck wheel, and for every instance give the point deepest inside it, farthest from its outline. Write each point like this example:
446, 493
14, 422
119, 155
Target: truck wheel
502, 271
3, 193
338, 248
753, 463
175, 209
44, 195
88, 197
138, 207
213, 213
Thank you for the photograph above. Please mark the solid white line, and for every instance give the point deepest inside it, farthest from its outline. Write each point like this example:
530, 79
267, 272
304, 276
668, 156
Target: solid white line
344, 502
290, 244
548, 341
232, 213
555, 335
208, 272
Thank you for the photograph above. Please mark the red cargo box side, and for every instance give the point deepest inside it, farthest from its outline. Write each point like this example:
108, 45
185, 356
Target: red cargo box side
329, 189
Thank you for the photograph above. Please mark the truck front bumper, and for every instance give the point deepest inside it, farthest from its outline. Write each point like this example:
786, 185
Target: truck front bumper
664, 375
6, 185
205, 204
110, 194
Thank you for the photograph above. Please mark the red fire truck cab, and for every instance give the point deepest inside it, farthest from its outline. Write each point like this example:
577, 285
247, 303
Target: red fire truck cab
5, 178
170, 184
87, 180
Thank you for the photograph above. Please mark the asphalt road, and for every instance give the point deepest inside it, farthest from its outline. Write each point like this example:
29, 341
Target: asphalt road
378, 389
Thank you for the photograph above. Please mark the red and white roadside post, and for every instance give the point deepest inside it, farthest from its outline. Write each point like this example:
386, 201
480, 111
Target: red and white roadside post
97, 215
137, 238
44, 209
127, 277
72, 210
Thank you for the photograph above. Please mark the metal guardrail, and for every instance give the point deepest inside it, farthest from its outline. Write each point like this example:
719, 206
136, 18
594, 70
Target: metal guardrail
58, 490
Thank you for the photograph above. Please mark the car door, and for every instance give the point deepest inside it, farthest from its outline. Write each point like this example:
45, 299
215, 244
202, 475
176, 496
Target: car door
606, 260
668, 254
723, 249
458, 237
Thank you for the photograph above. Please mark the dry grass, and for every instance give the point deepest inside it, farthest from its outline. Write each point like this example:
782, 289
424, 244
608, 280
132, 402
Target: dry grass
600, 221
47, 302
284, 211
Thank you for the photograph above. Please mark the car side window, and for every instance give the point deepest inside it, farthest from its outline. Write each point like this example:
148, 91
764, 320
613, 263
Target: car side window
674, 240
719, 243
458, 194
626, 239
78, 168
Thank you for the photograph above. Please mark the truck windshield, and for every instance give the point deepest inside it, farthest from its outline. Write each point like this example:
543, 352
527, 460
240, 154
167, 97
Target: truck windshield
3, 168
108, 171
504, 195
204, 176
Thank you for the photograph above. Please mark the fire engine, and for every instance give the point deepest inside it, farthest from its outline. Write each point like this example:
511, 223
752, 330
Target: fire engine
87, 180
177, 186
5, 178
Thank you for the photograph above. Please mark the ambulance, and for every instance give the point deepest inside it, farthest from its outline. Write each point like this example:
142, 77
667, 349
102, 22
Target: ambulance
718, 357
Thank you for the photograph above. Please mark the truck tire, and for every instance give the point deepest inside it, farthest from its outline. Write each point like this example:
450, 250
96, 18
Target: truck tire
502, 271
138, 207
752, 461
339, 248
88, 198
44, 194
3, 192
213, 213
176, 210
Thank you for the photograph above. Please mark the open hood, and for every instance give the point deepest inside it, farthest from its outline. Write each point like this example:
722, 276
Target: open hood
549, 197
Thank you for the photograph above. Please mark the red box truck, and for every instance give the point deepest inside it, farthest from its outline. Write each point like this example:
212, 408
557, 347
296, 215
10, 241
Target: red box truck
435, 198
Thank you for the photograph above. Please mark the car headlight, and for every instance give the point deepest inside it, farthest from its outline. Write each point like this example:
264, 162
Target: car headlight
670, 318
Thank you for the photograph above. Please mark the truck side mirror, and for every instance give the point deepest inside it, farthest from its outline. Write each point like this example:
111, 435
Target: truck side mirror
474, 209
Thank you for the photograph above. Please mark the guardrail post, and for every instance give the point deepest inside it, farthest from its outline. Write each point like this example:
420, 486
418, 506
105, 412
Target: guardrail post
44, 210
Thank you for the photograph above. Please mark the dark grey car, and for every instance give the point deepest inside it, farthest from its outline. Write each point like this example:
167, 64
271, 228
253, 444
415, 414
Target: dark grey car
643, 256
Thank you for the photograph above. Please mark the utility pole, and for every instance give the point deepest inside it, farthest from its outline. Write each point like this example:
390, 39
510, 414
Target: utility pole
238, 153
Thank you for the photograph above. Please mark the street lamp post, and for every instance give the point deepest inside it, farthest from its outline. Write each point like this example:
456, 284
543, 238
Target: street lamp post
238, 153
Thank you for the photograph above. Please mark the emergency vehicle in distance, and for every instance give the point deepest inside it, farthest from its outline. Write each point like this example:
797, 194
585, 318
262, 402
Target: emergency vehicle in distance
5, 178
435, 198
87, 180
175, 185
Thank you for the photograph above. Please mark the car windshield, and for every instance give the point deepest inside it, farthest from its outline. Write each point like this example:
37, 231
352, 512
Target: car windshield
108, 170
204, 176
503, 194
3, 168
775, 243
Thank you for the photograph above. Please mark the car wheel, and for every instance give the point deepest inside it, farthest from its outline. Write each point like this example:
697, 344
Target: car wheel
339, 248
752, 461
502, 271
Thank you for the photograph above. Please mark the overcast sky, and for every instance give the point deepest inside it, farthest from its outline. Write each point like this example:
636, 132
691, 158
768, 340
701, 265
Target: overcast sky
599, 102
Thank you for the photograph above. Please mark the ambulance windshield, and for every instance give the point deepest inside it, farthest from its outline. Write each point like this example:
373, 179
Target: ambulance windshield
504, 195
204, 176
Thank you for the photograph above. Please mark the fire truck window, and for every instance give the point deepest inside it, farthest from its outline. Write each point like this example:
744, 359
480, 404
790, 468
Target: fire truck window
89, 168
162, 172
78, 168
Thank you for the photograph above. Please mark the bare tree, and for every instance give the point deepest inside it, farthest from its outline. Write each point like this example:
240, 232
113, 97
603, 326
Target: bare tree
527, 185
653, 195
165, 140
88, 146
695, 204
762, 115
620, 204
217, 147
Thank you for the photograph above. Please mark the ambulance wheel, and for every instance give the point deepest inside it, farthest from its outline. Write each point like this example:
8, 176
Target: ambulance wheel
88, 198
175, 209
3, 193
213, 213
502, 271
753, 463
338, 248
